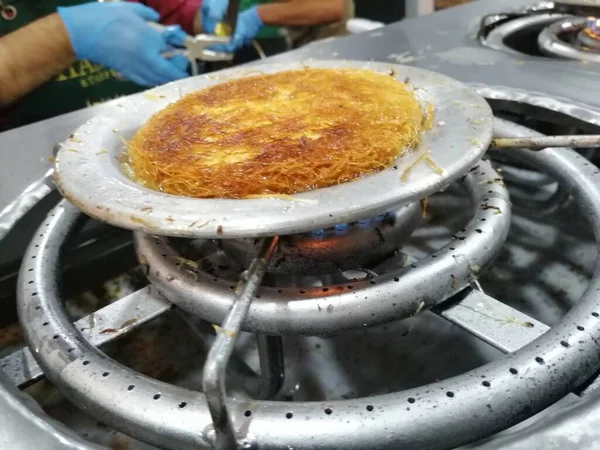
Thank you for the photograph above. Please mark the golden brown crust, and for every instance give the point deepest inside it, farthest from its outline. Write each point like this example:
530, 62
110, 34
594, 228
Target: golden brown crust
280, 133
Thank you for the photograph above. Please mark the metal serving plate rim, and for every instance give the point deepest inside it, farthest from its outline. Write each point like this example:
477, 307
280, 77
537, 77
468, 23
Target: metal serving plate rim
89, 175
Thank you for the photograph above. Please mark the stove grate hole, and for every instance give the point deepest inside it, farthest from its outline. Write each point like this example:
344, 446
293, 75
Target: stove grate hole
565, 344
328, 411
370, 408
580, 328
105, 374
247, 413
486, 383
156, 396
513, 371
595, 314
539, 360
450, 394
289, 415
411, 400
182, 405
131, 387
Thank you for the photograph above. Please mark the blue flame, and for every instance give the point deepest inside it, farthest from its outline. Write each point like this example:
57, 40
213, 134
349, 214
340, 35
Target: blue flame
362, 223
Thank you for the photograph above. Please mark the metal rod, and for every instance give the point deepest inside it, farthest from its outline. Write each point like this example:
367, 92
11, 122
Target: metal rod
213, 382
240, 374
542, 142
272, 370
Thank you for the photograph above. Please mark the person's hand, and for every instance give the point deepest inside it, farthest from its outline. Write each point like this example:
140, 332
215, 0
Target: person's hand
212, 12
118, 36
248, 25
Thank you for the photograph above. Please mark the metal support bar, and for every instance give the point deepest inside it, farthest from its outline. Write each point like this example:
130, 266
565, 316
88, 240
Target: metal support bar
543, 142
272, 370
492, 321
218, 357
100, 327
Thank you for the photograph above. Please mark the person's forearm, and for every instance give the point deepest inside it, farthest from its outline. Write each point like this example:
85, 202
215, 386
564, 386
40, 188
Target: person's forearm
302, 12
31, 56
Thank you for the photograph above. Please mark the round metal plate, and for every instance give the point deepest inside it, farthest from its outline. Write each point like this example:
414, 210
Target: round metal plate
89, 174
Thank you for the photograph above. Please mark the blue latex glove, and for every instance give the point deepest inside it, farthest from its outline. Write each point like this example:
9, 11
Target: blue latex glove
248, 25
118, 36
212, 12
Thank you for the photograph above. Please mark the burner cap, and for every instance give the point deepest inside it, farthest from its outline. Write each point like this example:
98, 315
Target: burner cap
590, 36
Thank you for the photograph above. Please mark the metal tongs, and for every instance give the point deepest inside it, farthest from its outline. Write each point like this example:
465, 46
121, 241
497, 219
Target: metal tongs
196, 47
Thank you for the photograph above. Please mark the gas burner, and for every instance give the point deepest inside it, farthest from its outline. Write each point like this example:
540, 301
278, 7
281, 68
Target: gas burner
379, 297
570, 38
272, 299
551, 29
590, 36
169, 416
336, 249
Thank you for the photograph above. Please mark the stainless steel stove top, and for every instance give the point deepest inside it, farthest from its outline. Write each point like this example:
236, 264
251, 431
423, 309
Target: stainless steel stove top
539, 273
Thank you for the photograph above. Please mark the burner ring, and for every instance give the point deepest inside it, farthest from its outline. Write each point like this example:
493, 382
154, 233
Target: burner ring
356, 304
460, 409
497, 37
